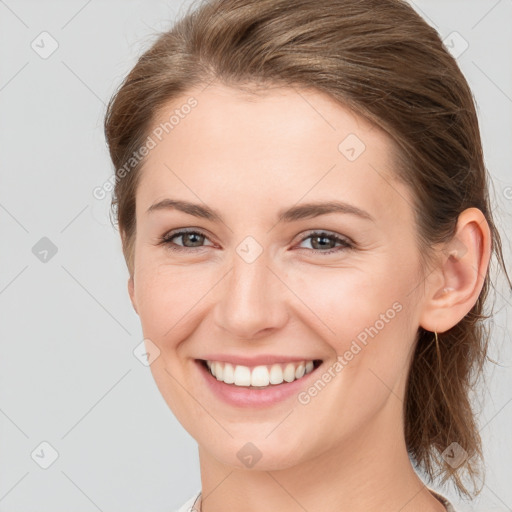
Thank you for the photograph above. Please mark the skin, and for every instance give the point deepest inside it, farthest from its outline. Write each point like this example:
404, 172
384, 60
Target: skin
248, 157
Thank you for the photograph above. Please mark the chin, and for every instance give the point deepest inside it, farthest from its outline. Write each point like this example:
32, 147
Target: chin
258, 454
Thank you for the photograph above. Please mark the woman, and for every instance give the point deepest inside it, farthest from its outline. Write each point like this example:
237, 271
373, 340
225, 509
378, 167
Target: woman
303, 206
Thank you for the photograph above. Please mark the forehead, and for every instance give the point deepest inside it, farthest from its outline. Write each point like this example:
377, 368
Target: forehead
241, 150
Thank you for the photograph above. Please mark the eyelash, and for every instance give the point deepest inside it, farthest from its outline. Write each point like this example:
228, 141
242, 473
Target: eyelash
166, 240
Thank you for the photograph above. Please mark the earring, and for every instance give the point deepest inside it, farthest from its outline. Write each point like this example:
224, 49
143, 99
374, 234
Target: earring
438, 351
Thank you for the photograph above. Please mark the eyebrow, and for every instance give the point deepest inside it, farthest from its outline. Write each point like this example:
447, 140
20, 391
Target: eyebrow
294, 213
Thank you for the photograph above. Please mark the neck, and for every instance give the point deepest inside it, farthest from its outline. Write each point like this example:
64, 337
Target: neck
371, 472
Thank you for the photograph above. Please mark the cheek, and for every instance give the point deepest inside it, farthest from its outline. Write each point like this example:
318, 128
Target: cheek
345, 300
169, 299
363, 314
371, 319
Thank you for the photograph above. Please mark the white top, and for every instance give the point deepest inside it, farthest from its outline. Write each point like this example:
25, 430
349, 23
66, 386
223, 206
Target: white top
188, 505
443, 500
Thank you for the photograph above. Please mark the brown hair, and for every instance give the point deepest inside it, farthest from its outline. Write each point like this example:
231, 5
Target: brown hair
382, 60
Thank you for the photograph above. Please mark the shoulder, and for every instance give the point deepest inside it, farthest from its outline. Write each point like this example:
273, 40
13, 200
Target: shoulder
188, 505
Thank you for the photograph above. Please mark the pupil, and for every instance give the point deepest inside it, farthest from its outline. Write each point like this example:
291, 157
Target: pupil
194, 235
321, 238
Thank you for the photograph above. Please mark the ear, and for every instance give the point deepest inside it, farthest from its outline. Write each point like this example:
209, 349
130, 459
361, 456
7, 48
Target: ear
456, 284
131, 283
131, 292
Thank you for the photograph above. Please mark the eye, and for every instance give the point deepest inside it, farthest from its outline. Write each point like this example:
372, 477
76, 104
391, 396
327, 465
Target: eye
196, 238
320, 240
323, 240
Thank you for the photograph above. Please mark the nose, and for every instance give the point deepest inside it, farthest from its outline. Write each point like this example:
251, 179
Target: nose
252, 299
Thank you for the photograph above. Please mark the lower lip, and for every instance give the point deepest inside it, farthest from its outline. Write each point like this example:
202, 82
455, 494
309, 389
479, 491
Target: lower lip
241, 396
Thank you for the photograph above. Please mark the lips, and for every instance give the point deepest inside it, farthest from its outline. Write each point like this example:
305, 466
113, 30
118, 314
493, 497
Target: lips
255, 396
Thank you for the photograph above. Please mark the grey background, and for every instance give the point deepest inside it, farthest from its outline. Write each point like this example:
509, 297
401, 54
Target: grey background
68, 375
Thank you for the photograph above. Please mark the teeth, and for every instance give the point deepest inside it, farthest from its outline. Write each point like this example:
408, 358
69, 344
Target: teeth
299, 372
259, 376
229, 374
289, 372
219, 370
242, 375
276, 374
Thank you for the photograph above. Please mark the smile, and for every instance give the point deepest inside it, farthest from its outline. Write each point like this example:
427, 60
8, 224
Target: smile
262, 376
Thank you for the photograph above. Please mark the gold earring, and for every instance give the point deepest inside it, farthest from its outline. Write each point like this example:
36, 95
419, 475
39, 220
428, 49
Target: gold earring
437, 349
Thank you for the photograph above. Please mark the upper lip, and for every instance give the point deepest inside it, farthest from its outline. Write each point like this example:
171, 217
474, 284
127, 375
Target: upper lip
264, 359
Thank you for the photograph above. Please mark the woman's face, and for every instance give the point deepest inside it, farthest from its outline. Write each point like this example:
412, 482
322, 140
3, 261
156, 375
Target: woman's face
266, 280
